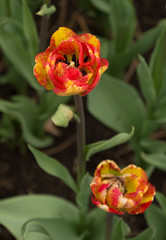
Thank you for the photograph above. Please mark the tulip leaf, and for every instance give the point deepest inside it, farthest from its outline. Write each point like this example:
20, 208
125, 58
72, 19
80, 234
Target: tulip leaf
16, 211
118, 105
158, 60
147, 234
146, 81
54, 168
82, 198
120, 62
50, 229
156, 159
16, 52
96, 147
26, 112
30, 29
123, 20
156, 219
161, 200
101, 5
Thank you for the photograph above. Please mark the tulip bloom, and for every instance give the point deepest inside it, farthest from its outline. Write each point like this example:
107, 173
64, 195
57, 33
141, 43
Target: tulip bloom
119, 191
71, 64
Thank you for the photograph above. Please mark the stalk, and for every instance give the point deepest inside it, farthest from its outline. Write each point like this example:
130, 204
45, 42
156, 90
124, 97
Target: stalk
81, 166
109, 226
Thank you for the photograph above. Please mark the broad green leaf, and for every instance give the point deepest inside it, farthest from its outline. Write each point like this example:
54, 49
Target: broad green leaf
54, 168
15, 9
4, 8
156, 219
101, 5
26, 112
122, 19
45, 10
118, 105
153, 146
118, 231
17, 210
156, 159
120, 138
146, 81
121, 61
34, 228
158, 60
15, 51
30, 28
147, 234
83, 194
54, 228
161, 200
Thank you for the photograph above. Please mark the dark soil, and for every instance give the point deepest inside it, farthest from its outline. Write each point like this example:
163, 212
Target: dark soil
20, 174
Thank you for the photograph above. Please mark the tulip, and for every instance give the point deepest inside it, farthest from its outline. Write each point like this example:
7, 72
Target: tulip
119, 191
71, 65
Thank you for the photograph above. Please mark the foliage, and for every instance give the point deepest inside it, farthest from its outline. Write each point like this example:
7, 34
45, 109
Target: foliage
135, 113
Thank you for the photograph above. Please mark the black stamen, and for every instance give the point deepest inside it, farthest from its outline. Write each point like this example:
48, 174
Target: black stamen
83, 72
74, 58
77, 63
66, 59
85, 59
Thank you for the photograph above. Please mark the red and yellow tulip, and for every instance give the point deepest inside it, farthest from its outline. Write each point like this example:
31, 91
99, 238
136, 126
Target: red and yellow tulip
119, 191
71, 64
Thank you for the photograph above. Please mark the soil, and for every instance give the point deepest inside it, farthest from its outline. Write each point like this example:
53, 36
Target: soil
20, 174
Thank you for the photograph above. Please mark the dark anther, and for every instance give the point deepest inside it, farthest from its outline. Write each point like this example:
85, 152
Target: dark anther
74, 58
83, 72
77, 63
59, 61
85, 59
66, 59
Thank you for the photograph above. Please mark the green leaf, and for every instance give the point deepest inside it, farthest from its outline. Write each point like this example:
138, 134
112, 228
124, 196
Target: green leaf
51, 228
147, 234
156, 159
101, 5
146, 81
118, 105
122, 19
82, 198
45, 10
15, 51
30, 29
15, 8
158, 60
118, 231
26, 112
120, 138
34, 228
156, 219
161, 200
120, 61
17, 210
153, 146
54, 168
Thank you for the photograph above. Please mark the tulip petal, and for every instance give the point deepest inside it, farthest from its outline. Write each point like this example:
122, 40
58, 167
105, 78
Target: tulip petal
103, 65
134, 170
91, 39
107, 168
61, 35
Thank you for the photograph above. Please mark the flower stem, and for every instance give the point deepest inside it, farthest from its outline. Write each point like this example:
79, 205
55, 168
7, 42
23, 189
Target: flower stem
109, 226
81, 165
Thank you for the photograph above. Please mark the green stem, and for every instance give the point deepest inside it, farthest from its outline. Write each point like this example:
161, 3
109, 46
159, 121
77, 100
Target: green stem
44, 29
109, 225
80, 138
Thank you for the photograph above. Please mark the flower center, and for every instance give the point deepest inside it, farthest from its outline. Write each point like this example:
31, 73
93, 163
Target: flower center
115, 181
